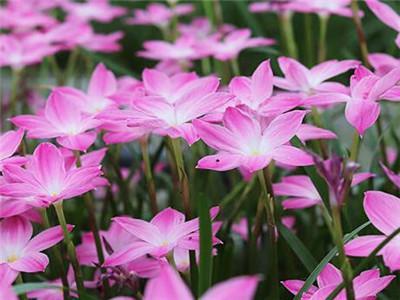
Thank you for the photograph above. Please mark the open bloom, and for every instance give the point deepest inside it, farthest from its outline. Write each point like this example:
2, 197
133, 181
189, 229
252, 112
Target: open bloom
300, 79
98, 10
9, 143
387, 15
382, 210
242, 141
45, 178
366, 285
166, 231
169, 286
19, 252
302, 192
322, 7
62, 119
366, 88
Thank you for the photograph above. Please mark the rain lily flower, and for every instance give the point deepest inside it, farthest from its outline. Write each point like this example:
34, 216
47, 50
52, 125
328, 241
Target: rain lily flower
62, 119
97, 10
243, 141
382, 210
362, 108
300, 79
387, 15
19, 252
302, 191
322, 7
6, 292
158, 14
169, 286
46, 180
159, 237
202, 29
366, 285
383, 63
9, 143
233, 43
271, 6
10, 206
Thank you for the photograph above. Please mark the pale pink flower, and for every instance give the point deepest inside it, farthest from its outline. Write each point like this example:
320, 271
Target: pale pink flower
10, 207
366, 89
9, 143
46, 180
383, 63
96, 10
19, 252
244, 142
366, 285
169, 286
271, 6
382, 210
159, 237
322, 7
202, 30
387, 15
62, 119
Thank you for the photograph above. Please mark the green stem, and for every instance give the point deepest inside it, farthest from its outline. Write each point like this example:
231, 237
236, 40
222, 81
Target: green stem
206, 66
70, 247
382, 143
318, 122
72, 59
323, 28
288, 34
20, 280
360, 33
235, 67
309, 39
16, 79
56, 70
151, 187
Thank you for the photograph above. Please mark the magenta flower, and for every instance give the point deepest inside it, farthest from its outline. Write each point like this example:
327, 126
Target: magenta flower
62, 119
256, 92
97, 10
9, 143
19, 252
366, 285
387, 15
169, 286
46, 180
382, 210
383, 63
233, 43
166, 231
306, 81
362, 108
244, 142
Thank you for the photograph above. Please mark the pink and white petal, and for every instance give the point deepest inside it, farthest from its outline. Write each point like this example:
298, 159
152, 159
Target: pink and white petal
327, 99
332, 68
37, 126
324, 292
6, 292
141, 229
156, 82
332, 87
240, 86
382, 210
7, 274
255, 163
372, 287
102, 83
384, 84
261, 82
9, 142
242, 126
243, 287
31, 262
299, 203
294, 287
330, 275
392, 94
308, 132
185, 131
292, 156
46, 239
385, 13
127, 254
364, 245
167, 220
61, 110
360, 177
221, 161
362, 114
80, 142
294, 72
284, 84
15, 232
279, 104
391, 255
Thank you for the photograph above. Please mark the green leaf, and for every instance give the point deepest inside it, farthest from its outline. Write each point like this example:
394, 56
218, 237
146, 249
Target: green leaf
24, 288
298, 247
331, 254
251, 21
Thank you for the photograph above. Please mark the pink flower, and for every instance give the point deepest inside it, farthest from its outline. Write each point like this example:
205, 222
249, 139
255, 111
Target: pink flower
256, 92
10, 206
387, 15
9, 143
383, 63
20, 253
302, 191
6, 292
169, 286
366, 285
162, 235
306, 81
322, 7
158, 14
382, 210
62, 119
242, 141
97, 10
233, 43
276, 6
362, 108
46, 180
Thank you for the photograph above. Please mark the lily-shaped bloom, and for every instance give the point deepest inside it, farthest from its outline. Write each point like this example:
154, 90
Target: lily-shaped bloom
97, 10
382, 210
62, 119
366, 285
362, 108
102, 86
244, 142
9, 143
383, 63
302, 191
233, 43
46, 180
256, 92
19, 252
158, 14
168, 285
274, 6
387, 15
159, 237
300, 79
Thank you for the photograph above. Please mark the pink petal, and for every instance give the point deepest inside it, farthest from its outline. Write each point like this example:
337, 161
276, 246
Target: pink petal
6, 292
294, 287
384, 84
385, 13
141, 229
391, 175
330, 275
327, 98
372, 287
360, 177
167, 219
299, 203
15, 232
102, 83
308, 132
37, 126
7, 274
31, 262
9, 142
243, 287
364, 245
46, 239
242, 126
240, 86
362, 114
80, 142
292, 156
391, 255
332, 68
127, 254
261, 82
61, 111
220, 162
156, 82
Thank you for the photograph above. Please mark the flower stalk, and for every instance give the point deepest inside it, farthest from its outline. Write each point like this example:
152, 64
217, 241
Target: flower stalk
288, 34
323, 28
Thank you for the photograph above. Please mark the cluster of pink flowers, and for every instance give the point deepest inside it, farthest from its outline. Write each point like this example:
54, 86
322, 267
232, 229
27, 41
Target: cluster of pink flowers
70, 149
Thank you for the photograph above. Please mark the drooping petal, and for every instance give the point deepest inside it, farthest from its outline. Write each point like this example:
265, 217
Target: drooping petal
31, 262
141, 229
221, 161
46, 239
332, 68
9, 142
364, 245
385, 13
292, 156
294, 287
127, 254
362, 114
243, 287
384, 84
